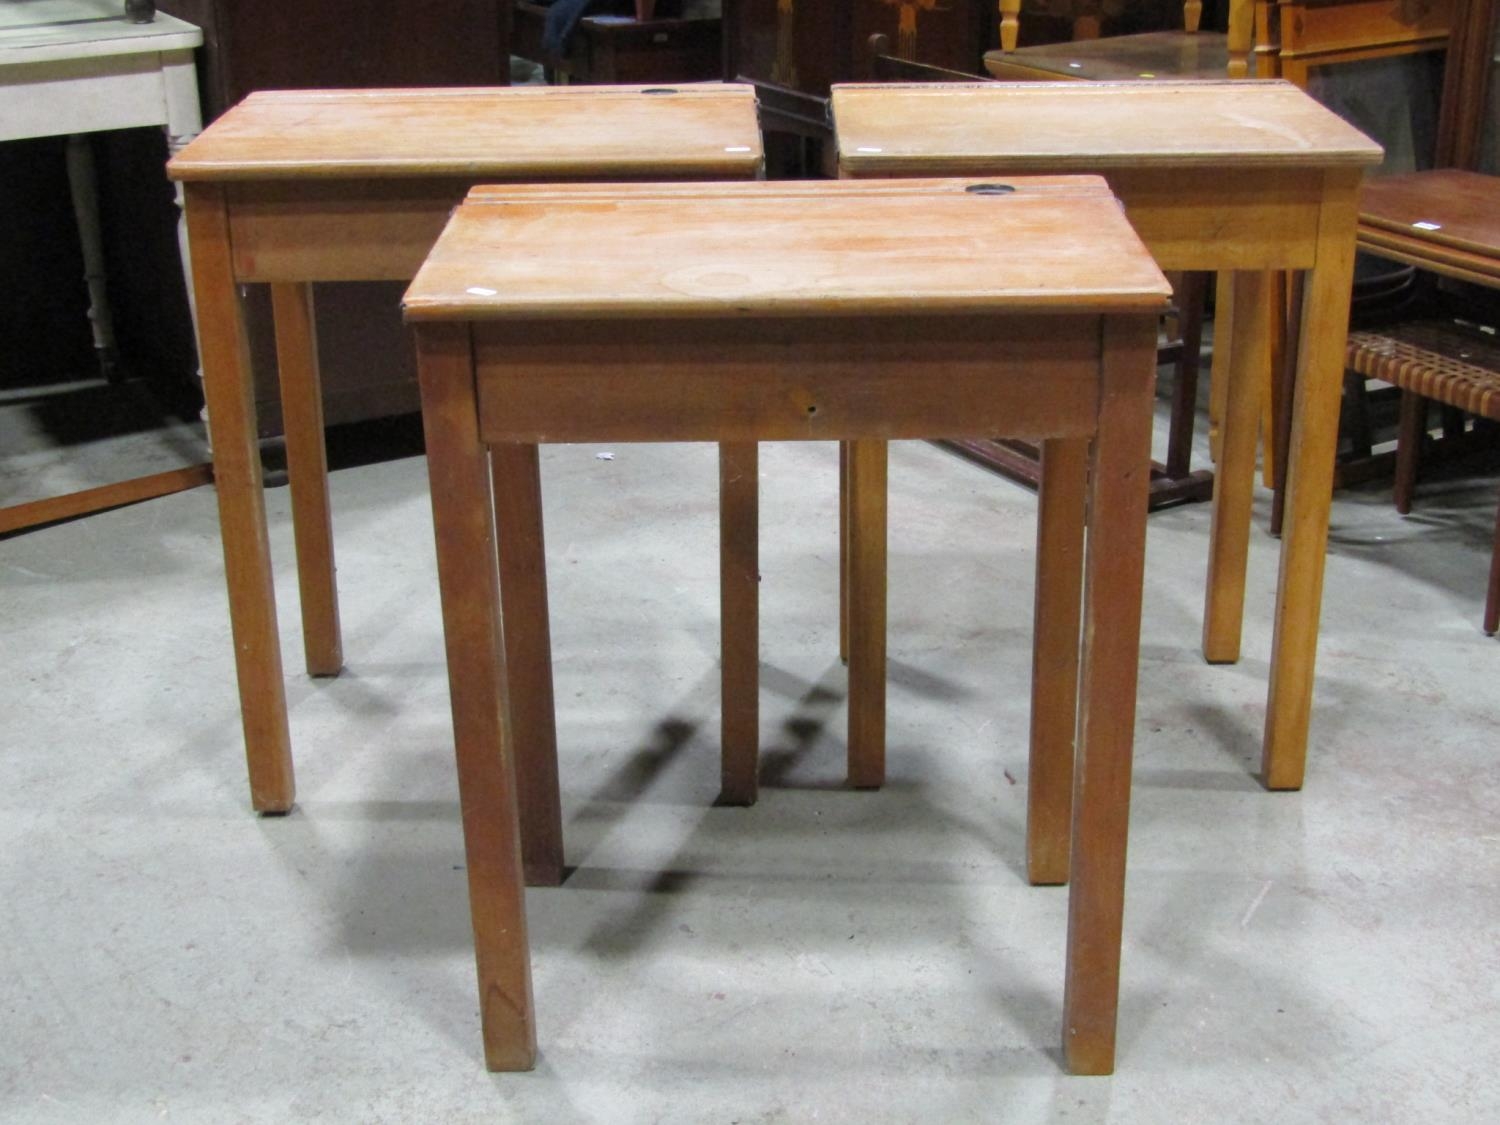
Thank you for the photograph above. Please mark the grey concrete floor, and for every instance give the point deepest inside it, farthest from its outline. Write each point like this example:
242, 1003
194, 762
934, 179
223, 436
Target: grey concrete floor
1325, 956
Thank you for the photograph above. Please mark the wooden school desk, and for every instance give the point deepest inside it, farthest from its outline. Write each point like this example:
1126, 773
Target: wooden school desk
1242, 176
290, 188
818, 311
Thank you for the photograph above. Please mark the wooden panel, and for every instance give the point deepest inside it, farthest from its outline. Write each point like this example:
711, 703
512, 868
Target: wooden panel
705, 380
524, 133
751, 249
1202, 219
1322, 28
339, 231
1058, 126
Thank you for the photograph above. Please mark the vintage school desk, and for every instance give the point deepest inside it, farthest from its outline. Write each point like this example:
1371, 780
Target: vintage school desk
1262, 179
742, 313
290, 188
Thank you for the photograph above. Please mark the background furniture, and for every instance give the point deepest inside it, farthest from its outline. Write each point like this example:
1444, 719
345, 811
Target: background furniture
292, 188
1268, 182
638, 315
1184, 52
610, 48
76, 67
1443, 357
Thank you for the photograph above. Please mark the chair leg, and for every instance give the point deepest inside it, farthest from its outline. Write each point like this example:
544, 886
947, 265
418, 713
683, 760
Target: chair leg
1192, 294
1356, 416
1453, 422
1413, 423
1492, 601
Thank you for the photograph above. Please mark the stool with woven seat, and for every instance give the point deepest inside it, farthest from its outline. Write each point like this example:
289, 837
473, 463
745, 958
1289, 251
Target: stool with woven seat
1452, 362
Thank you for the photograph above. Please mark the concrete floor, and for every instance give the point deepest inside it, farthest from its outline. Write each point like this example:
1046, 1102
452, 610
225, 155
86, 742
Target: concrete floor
1327, 956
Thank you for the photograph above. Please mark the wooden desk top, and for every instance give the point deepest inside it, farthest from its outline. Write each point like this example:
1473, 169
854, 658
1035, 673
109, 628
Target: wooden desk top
501, 134
1446, 207
962, 129
817, 248
1145, 55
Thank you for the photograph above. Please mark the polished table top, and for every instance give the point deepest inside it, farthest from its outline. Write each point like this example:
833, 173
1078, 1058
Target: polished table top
1443, 208
1067, 126
543, 132
777, 249
1144, 55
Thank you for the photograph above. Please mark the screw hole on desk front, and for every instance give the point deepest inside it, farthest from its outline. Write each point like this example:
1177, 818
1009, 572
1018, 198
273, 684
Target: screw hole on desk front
660, 90
812, 409
990, 189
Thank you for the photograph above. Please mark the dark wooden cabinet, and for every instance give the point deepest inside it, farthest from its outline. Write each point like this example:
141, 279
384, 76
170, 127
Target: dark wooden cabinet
367, 363
268, 45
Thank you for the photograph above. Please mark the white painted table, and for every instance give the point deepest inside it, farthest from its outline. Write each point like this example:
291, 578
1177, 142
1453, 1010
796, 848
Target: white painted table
71, 67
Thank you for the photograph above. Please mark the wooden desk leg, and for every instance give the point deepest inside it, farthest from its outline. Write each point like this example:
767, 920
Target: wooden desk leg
458, 469
527, 633
307, 467
1115, 568
867, 601
1309, 485
229, 394
1218, 372
844, 551
1054, 657
739, 621
1234, 481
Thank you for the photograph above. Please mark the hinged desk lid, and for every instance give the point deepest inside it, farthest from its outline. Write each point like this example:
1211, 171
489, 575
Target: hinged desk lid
511, 133
966, 129
819, 248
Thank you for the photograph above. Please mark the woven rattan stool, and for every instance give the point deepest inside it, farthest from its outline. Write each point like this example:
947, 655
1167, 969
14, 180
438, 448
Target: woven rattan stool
1434, 359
